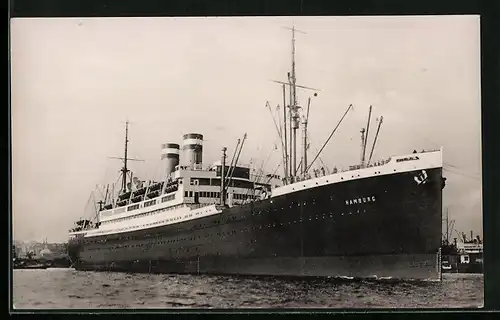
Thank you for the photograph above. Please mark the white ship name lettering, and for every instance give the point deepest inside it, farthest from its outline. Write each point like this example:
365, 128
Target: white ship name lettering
408, 159
360, 200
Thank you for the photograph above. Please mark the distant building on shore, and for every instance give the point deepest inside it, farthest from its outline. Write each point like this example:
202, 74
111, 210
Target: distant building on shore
39, 249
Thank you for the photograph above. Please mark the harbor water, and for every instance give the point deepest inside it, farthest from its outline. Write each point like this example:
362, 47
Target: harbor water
70, 289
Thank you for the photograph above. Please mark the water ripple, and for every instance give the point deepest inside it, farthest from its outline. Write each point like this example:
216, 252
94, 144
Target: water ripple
66, 288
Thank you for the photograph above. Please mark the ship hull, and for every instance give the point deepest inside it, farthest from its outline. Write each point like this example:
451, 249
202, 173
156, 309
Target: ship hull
384, 226
404, 266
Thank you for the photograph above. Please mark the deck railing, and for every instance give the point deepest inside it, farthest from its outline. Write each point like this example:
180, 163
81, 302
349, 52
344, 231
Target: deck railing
321, 173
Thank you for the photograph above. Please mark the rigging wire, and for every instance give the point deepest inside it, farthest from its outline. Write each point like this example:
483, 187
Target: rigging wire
98, 187
463, 174
259, 175
316, 150
117, 190
154, 172
264, 163
88, 201
458, 168
273, 174
331, 134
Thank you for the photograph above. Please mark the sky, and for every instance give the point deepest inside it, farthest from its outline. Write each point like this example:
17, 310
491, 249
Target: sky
76, 81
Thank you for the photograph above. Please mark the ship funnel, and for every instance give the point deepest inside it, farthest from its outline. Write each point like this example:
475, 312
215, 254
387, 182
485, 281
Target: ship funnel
170, 156
193, 150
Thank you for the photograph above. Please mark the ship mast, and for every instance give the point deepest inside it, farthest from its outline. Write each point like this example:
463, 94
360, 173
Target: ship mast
294, 117
294, 108
294, 105
124, 170
284, 132
125, 159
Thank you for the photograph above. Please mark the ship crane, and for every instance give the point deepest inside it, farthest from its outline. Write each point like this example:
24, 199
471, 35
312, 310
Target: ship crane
231, 169
232, 159
365, 139
376, 137
331, 135
280, 134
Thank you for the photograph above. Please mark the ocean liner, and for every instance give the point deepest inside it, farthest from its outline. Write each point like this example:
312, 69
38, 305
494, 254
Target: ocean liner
374, 219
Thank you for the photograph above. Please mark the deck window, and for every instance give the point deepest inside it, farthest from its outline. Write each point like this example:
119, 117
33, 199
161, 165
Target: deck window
168, 197
134, 207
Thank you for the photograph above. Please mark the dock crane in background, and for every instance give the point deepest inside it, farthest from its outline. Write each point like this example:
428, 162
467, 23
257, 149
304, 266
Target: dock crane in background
450, 224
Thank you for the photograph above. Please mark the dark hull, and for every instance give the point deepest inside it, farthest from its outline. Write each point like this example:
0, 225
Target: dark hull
316, 232
30, 266
470, 268
60, 263
466, 268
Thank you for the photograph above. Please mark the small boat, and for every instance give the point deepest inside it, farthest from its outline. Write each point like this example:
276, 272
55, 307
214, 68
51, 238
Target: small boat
31, 266
28, 264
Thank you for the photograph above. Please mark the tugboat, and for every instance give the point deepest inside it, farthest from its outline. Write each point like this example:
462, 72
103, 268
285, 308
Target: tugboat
463, 257
27, 263
470, 253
